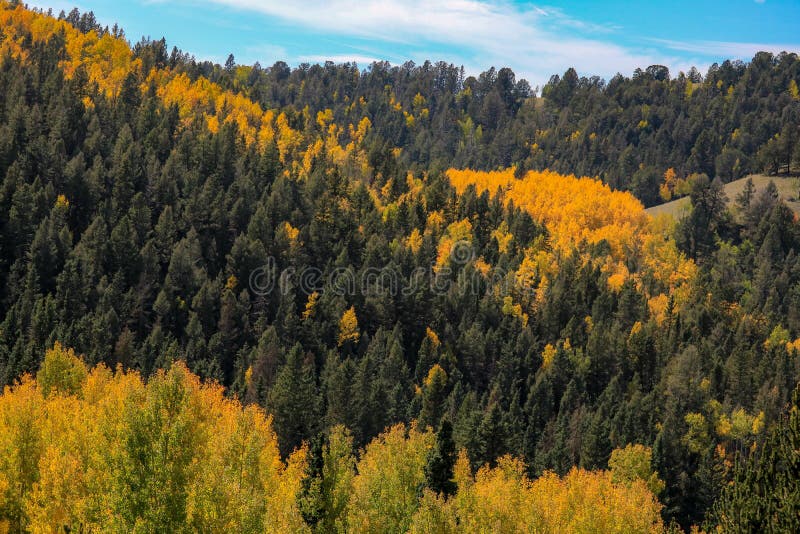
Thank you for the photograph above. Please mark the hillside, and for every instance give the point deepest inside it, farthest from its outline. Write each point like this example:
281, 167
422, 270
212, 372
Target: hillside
788, 188
237, 298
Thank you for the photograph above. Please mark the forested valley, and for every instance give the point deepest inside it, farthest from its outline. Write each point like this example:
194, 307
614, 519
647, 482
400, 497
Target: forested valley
390, 299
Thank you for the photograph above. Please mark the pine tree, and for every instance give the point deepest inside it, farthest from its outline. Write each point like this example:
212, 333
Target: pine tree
294, 400
310, 498
441, 460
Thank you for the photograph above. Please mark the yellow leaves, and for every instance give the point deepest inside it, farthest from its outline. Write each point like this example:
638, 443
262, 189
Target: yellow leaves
573, 209
358, 135
632, 463
435, 514
62, 372
21, 445
585, 501
288, 139
793, 90
455, 245
282, 514
436, 375
658, 307
724, 426
635, 329
311, 306
292, 233
324, 118
503, 499
384, 495
664, 192
82, 461
743, 424
231, 283
696, 438
779, 337
348, 327
414, 241
460, 230
430, 334
548, 355
581, 211
62, 201
668, 185
618, 277
514, 310
386, 190
503, 237
106, 59
757, 426
72, 457
393, 103
212, 123
482, 266
690, 88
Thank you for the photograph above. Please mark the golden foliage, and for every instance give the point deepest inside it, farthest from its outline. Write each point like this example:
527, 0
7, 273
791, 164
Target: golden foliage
456, 241
434, 338
414, 241
106, 59
793, 90
111, 453
514, 310
779, 337
503, 237
573, 209
548, 355
311, 306
61, 372
436, 376
632, 463
348, 327
390, 471
503, 499
583, 211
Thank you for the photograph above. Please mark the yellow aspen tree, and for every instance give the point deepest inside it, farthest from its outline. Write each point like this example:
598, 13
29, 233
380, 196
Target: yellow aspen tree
390, 472
348, 327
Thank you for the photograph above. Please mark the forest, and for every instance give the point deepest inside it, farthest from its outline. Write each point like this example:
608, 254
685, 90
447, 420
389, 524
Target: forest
397, 299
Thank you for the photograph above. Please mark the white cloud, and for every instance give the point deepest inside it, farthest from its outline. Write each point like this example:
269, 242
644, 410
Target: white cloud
726, 49
269, 52
363, 61
536, 41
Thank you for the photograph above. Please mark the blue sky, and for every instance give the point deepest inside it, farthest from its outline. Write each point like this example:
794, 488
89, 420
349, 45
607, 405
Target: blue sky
534, 39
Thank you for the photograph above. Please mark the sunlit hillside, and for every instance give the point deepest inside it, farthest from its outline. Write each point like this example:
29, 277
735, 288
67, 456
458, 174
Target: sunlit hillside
397, 298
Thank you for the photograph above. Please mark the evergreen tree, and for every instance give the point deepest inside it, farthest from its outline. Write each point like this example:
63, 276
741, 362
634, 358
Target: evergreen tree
441, 459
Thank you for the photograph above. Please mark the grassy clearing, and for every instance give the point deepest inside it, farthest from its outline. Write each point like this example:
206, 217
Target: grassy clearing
788, 187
